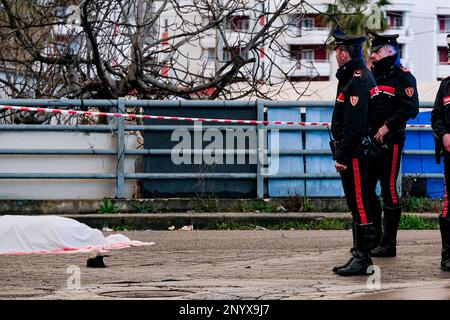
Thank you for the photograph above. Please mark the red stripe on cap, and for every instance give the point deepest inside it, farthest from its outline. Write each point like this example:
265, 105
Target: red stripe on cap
446, 100
387, 89
359, 201
393, 171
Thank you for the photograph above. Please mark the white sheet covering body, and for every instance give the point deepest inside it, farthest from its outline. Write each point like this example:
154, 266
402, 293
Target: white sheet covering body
53, 234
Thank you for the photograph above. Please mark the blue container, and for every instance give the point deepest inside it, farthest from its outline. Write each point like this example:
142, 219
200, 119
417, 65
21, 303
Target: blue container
287, 140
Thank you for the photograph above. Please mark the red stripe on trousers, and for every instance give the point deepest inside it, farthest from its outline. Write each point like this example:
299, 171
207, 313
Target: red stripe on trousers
444, 212
359, 201
393, 171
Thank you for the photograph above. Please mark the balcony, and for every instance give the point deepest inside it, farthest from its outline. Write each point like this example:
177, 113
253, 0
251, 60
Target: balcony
442, 71
307, 68
234, 38
307, 36
405, 34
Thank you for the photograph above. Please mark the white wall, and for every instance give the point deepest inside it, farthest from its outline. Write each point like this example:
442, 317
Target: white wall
62, 189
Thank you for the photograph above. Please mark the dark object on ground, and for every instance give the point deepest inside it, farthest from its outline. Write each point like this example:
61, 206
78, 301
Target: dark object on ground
96, 261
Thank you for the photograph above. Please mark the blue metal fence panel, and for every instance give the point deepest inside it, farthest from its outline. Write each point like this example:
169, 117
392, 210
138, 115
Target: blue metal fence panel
319, 140
288, 140
423, 140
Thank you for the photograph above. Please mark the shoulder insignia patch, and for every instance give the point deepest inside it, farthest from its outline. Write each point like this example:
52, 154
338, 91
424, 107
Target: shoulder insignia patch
405, 69
446, 101
409, 91
354, 100
357, 73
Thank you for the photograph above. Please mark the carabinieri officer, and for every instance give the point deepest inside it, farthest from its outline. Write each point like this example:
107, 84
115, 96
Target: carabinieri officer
398, 102
350, 123
440, 121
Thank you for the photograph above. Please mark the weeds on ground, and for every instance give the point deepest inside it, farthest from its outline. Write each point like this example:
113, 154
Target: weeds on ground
415, 204
255, 205
144, 207
108, 206
321, 224
205, 205
409, 222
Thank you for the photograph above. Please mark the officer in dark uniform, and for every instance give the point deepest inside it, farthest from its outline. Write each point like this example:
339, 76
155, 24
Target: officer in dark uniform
349, 126
398, 102
440, 121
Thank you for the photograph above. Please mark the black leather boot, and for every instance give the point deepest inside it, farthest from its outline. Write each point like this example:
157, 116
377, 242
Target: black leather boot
352, 250
361, 260
388, 246
444, 224
376, 211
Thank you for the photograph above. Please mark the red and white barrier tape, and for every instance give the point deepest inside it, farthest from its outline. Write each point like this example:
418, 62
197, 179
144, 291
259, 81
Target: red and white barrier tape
191, 119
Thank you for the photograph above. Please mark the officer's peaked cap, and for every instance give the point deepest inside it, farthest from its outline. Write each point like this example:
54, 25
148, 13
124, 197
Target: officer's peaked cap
342, 39
378, 40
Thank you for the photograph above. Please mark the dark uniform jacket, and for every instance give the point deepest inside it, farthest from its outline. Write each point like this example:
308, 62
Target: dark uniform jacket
440, 116
350, 115
399, 99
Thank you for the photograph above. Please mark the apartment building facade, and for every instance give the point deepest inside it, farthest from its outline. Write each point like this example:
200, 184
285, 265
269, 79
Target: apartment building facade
422, 26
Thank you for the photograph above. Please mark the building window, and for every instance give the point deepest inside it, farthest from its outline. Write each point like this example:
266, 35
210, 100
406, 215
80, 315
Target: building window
395, 19
231, 53
444, 23
293, 21
210, 54
308, 53
238, 23
442, 55
61, 12
307, 23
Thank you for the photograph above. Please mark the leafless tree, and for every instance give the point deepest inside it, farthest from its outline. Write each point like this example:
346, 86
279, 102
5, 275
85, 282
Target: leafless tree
105, 49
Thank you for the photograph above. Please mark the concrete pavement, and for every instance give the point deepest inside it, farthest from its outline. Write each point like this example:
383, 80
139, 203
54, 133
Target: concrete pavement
231, 265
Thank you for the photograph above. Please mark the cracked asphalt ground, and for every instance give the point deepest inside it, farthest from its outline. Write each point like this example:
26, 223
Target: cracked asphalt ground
232, 265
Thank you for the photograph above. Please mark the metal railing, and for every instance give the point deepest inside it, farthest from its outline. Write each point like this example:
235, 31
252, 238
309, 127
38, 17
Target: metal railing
120, 128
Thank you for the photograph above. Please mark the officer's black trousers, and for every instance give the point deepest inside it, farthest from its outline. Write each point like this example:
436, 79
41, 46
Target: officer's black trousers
384, 169
354, 181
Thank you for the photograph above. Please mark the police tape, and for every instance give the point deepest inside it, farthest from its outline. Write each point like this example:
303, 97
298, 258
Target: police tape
190, 119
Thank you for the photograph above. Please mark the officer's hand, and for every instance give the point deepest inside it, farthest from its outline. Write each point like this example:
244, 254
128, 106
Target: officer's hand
384, 130
340, 167
446, 141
